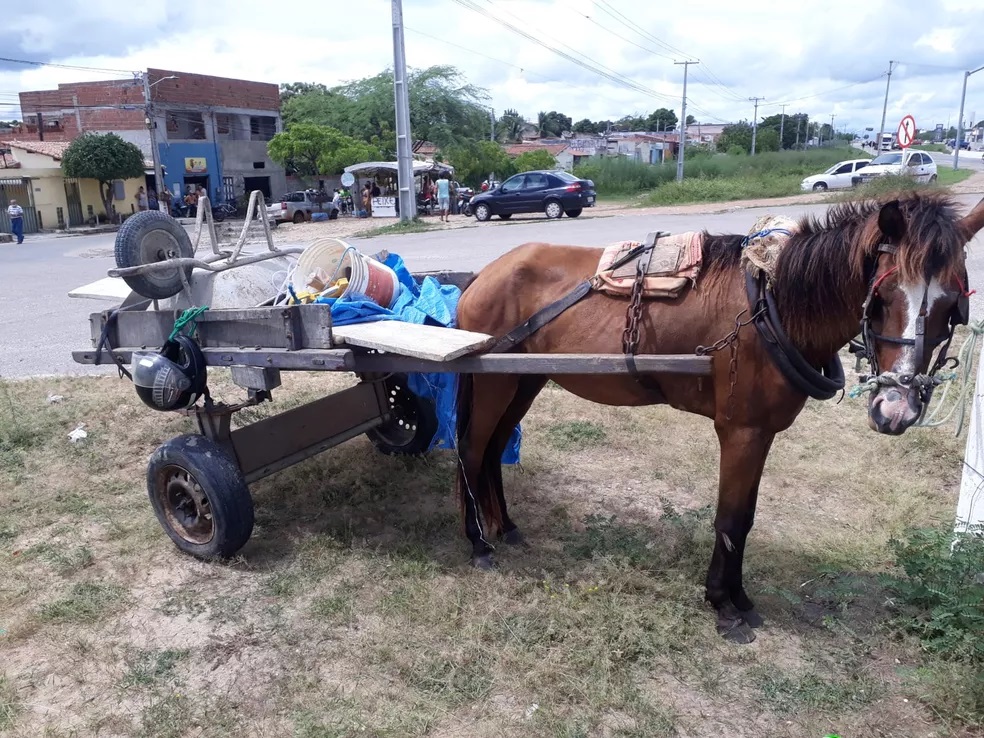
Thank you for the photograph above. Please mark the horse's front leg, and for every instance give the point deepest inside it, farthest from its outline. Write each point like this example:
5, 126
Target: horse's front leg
743, 455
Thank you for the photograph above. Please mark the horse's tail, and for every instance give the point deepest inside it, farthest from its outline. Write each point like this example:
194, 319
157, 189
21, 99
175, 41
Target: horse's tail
483, 496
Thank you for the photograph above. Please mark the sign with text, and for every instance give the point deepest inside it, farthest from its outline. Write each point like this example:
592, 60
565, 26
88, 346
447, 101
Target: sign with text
938, 134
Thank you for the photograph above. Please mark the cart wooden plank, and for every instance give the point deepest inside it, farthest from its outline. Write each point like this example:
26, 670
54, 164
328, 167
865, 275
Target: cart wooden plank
353, 361
409, 339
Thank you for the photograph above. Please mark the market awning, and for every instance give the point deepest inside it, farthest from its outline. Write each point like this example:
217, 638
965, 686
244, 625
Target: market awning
372, 168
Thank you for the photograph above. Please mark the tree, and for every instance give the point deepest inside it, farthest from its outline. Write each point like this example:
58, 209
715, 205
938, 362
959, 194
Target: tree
586, 126
290, 90
691, 120
739, 134
442, 109
509, 128
531, 160
775, 122
105, 158
308, 149
662, 119
475, 161
552, 124
630, 123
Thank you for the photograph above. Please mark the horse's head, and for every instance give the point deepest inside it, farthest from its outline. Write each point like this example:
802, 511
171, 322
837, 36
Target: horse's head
917, 295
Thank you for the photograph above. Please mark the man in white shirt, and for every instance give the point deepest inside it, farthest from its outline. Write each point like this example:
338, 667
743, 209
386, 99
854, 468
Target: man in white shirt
16, 213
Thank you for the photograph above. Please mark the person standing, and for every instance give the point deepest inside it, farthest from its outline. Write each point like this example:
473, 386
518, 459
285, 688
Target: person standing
141, 199
16, 213
444, 196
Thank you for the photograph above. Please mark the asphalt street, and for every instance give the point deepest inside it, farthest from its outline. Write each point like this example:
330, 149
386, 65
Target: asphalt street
40, 325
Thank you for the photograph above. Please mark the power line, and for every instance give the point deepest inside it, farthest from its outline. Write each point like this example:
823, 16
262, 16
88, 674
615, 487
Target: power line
66, 66
524, 70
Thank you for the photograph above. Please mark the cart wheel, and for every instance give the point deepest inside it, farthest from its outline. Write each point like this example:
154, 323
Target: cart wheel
148, 237
413, 424
200, 497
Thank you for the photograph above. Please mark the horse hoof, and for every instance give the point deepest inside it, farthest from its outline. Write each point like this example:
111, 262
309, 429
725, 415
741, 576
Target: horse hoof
739, 632
483, 562
514, 537
752, 617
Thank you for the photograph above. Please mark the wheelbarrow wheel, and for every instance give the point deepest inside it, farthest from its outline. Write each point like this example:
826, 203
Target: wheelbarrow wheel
412, 423
148, 237
200, 497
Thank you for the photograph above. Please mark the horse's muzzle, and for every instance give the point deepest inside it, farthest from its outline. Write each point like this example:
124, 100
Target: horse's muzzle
893, 409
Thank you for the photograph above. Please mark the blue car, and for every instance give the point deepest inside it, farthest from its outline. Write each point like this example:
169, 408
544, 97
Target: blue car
553, 193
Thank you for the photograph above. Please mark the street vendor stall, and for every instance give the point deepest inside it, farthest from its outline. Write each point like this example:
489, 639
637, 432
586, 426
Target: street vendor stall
384, 205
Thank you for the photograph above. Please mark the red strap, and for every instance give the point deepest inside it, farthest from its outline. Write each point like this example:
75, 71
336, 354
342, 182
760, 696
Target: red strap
963, 289
882, 278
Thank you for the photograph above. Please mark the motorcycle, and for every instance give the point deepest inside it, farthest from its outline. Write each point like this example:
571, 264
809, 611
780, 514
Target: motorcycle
464, 204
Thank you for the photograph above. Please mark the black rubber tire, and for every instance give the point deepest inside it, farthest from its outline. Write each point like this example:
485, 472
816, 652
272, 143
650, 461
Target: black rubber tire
148, 237
553, 209
221, 521
932, 179
413, 425
574, 213
506, 216
482, 212
820, 187
299, 217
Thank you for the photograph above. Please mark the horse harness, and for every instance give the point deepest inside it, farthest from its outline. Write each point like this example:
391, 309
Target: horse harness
866, 348
820, 384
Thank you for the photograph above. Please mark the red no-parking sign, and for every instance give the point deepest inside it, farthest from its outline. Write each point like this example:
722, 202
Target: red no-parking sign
907, 131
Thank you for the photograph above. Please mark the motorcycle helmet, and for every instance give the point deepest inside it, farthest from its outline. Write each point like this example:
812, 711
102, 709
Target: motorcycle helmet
173, 378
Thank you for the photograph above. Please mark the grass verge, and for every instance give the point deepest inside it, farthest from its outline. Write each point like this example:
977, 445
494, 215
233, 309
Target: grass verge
352, 610
410, 226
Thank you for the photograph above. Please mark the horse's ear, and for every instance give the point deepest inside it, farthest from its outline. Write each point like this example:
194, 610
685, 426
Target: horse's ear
891, 221
973, 221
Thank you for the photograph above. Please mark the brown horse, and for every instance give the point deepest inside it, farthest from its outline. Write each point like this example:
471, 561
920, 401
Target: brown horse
898, 264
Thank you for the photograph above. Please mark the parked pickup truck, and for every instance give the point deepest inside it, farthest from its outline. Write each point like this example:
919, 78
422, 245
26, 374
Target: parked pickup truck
296, 207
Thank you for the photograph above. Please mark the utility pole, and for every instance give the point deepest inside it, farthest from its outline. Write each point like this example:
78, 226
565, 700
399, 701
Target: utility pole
782, 126
152, 128
492, 118
755, 121
799, 120
832, 136
963, 98
404, 162
683, 120
881, 131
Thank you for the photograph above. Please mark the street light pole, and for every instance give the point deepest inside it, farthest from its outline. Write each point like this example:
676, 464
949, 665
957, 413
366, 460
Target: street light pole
152, 127
404, 162
881, 131
755, 120
963, 98
683, 120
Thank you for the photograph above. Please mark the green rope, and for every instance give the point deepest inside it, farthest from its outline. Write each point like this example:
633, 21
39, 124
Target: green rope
189, 316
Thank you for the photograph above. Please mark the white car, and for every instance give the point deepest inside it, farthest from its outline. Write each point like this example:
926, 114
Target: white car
838, 176
917, 164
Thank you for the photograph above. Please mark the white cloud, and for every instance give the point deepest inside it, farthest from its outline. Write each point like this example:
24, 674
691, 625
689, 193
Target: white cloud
817, 59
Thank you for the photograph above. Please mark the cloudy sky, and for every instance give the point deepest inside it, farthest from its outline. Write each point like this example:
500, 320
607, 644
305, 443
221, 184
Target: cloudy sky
598, 59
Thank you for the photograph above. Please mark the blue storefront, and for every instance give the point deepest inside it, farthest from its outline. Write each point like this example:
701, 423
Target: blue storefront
191, 164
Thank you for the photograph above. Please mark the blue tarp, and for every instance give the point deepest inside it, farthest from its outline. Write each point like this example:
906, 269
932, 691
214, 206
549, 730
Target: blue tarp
425, 303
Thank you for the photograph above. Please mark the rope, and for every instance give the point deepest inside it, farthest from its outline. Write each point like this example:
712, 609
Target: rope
189, 316
762, 234
968, 350
959, 378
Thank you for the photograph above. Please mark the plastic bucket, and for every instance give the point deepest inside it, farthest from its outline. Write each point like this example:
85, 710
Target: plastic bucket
367, 277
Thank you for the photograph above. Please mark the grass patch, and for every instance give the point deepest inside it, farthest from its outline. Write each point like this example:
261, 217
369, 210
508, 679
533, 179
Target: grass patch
148, 668
9, 704
783, 169
948, 176
710, 189
936, 147
86, 602
414, 225
576, 434
790, 694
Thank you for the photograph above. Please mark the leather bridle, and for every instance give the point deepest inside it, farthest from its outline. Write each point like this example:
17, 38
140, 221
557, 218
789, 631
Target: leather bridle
867, 347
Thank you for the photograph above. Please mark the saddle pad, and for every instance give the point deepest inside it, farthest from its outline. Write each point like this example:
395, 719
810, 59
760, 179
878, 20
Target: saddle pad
764, 243
675, 263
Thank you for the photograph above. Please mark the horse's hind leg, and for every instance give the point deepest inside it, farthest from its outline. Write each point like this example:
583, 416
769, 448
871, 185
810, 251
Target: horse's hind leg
482, 401
529, 387
743, 455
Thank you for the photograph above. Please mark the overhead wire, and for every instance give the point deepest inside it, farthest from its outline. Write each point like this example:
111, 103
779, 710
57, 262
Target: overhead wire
67, 66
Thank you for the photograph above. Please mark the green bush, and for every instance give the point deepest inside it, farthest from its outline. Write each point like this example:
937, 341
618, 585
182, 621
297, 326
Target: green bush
736, 151
941, 595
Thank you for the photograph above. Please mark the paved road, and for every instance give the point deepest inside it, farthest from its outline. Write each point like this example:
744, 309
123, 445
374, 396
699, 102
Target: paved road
40, 325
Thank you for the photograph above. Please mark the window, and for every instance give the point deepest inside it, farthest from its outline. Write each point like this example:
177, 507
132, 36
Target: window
861, 165
513, 183
185, 124
262, 127
844, 169
259, 165
535, 182
222, 124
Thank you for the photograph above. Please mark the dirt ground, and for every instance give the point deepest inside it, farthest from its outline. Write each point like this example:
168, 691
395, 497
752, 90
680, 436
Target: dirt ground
352, 611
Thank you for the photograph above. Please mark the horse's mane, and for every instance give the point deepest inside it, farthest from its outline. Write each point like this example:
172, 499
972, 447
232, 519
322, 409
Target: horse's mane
822, 267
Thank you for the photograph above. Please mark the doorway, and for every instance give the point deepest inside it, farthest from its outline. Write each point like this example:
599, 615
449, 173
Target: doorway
258, 183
